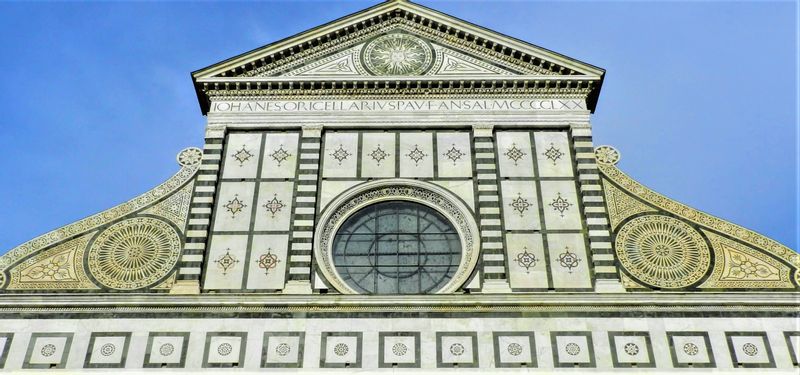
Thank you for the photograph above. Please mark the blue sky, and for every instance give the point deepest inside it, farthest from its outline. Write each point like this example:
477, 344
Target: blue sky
96, 99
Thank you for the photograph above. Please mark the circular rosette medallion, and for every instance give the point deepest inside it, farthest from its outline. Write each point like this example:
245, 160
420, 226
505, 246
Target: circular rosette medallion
397, 54
134, 253
662, 251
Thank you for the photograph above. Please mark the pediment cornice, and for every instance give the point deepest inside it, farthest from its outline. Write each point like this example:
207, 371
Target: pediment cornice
487, 53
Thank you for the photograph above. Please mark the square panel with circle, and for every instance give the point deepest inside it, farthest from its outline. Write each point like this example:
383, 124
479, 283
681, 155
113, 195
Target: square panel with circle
572, 349
166, 349
340, 349
48, 350
456, 349
750, 349
631, 349
224, 349
5, 345
690, 349
283, 349
107, 350
398, 349
514, 349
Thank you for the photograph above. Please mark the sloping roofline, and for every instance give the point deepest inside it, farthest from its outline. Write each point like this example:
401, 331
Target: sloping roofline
591, 71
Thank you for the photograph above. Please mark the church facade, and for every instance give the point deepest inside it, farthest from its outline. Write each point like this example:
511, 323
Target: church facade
400, 189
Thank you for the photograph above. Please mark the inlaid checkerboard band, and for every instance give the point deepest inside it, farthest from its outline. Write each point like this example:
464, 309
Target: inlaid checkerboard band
192, 256
591, 195
489, 210
305, 202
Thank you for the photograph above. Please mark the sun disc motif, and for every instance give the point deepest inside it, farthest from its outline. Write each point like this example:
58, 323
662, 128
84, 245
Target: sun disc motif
397, 54
662, 251
134, 253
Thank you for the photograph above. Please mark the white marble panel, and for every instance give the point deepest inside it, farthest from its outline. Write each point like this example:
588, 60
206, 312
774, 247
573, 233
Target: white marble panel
749, 349
274, 211
399, 349
463, 189
340, 155
241, 155
568, 262
283, 349
514, 349
267, 264
526, 261
561, 209
166, 349
48, 350
107, 350
454, 155
225, 266
552, 154
341, 349
378, 155
224, 349
631, 349
416, 155
520, 205
331, 189
457, 349
514, 154
573, 349
234, 205
280, 155
690, 349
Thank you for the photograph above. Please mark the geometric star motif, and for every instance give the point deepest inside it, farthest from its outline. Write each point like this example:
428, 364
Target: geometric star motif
378, 154
553, 153
340, 154
280, 155
274, 205
235, 206
454, 154
416, 155
560, 204
242, 155
526, 260
520, 204
514, 153
226, 262
267, 261
568, 260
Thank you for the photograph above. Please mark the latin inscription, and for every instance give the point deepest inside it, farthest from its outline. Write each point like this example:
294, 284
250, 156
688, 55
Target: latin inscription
477, 105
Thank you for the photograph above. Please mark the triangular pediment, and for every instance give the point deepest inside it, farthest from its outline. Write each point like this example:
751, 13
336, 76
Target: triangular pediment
398, 38
397, 52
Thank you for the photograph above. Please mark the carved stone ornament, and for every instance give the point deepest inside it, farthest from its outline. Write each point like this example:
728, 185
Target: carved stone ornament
360, 196
607, 155
134, 253
697, 217
662, 251
178, 181
397, 54
190, 157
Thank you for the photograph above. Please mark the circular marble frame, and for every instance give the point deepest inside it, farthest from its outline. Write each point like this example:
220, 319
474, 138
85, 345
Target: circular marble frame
433, 196
425, 64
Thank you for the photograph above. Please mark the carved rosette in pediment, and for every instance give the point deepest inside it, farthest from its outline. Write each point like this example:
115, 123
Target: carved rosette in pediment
398, 53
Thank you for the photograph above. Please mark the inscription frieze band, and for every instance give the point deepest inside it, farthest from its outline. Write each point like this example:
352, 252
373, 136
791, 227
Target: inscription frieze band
423, 105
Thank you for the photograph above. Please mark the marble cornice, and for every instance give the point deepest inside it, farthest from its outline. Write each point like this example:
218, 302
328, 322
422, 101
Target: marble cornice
562, 303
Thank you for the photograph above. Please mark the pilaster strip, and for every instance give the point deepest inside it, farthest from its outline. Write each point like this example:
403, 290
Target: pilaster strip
489, 208
193, 253
591, 195
304, 205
